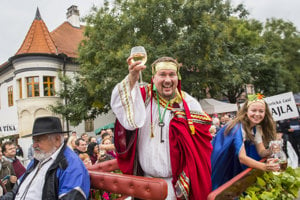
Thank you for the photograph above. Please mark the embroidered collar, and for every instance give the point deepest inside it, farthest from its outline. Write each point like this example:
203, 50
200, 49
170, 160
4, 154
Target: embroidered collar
163, 102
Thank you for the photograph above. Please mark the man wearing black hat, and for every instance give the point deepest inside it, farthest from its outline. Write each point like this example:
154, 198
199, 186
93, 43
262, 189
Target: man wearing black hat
56, 172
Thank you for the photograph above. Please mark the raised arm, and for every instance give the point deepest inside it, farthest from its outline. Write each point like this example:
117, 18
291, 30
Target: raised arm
134, 71
126, 99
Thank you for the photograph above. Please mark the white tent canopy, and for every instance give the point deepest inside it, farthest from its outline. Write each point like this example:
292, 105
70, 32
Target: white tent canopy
212, 106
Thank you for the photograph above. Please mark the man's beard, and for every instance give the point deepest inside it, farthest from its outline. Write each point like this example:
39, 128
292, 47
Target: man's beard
40, 155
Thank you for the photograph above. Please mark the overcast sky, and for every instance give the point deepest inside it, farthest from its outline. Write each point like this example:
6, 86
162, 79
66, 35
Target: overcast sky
16, 16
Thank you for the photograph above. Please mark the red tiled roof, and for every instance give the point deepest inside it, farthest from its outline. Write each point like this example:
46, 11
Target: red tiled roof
67, 38
37, 40
64, 39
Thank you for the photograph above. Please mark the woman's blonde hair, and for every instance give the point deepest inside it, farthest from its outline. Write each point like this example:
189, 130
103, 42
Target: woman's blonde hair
267, 124
70, 139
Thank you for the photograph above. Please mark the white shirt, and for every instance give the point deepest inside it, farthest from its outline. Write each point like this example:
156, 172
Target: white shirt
130, 109
32, 187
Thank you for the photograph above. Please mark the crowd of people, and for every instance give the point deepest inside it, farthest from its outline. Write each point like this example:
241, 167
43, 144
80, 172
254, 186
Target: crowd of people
91, 149
162, 132
54, 172
237, 142
62, 156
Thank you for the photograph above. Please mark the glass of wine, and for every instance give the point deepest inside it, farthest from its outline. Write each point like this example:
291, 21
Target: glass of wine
139, 53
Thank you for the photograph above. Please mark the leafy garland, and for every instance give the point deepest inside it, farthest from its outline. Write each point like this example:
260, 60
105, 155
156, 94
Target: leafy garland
283, 186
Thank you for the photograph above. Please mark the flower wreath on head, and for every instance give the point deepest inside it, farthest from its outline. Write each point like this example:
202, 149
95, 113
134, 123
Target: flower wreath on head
258, 97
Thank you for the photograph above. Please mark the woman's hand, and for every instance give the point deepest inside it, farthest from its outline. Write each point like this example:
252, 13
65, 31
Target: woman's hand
272, 164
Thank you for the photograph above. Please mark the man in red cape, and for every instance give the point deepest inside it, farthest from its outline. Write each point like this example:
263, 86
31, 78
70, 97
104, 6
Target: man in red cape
162, 131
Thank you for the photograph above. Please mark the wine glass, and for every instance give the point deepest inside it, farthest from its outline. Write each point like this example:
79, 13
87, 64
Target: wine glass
139, 53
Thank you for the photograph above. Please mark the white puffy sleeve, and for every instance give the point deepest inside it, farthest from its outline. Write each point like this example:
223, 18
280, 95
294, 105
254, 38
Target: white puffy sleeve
258, 135
128, 106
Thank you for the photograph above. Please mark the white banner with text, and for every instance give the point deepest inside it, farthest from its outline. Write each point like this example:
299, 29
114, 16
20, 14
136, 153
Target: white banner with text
282, 106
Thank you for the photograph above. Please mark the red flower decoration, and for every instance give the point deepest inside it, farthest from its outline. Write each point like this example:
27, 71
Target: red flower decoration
259, 96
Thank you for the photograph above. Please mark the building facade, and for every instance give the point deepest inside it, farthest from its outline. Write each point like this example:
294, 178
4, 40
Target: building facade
29, 79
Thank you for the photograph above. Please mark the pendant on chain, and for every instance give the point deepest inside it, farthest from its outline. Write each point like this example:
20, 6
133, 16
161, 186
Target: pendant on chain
161, 124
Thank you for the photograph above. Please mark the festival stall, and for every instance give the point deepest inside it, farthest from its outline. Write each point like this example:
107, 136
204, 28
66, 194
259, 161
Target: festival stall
212, 106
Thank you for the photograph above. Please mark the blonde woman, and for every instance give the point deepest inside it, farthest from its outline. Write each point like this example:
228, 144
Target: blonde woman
71, 141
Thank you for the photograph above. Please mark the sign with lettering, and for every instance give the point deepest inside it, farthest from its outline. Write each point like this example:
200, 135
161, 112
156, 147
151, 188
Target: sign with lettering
8, 129
282, 106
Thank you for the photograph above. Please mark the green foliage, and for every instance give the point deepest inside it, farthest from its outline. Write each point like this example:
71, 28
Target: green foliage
220, 49
77, 106
194, 32
284, 186
280, 68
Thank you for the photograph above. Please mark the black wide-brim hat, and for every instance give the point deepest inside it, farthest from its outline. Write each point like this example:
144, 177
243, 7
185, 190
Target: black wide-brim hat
46, 125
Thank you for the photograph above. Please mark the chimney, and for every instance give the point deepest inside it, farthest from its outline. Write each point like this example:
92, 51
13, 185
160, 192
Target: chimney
73, 16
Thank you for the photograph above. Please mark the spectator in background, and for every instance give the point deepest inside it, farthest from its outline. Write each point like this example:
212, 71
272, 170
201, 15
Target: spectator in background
81, 146
216, 123
108, 146
9, 152
7, 173
111, 133
85, 137
92, 139
85, 159
283, 126
71, 142
30, 153
100, 136
227, 119
106, 135
74, 133
19, 151
222, 121
93, 152
213, 130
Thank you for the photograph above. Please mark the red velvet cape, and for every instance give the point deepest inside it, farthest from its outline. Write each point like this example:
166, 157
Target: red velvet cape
189, 153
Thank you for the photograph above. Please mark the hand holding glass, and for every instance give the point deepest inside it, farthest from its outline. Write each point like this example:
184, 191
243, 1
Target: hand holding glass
138, 53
